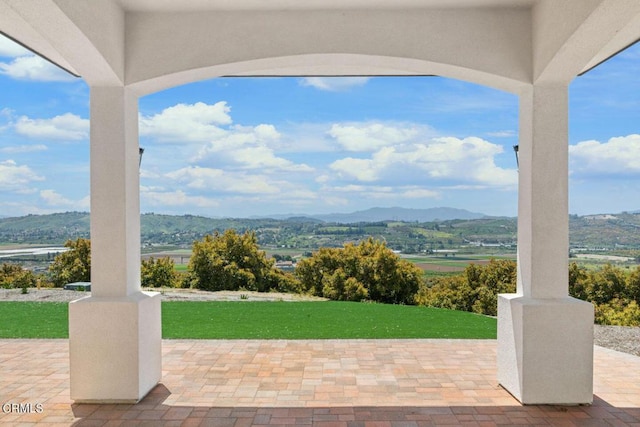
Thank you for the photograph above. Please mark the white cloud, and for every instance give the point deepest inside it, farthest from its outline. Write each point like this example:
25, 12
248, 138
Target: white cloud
176, 198
334, 84
53, 198
197, 122
65, 127
34, 68
217, 180
11, 49
385, 191
618, 156
248, 148
23, 149
372, 136
420, 193
16, 178
365, 170
444, 159
502, 134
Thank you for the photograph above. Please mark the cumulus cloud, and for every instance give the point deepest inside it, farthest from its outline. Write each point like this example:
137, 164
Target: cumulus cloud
248, 148
365, 170
14, 177
199, 178
197, 122
371, 136
334, 84
34, 68
68, 127
444, 159
618, 156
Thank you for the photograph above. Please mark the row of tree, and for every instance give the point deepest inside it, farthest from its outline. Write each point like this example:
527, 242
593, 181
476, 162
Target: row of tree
365, 271
233, 261
615, 292
476, 290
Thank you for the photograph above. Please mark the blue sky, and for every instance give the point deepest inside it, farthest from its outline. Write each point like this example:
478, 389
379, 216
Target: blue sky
240, 147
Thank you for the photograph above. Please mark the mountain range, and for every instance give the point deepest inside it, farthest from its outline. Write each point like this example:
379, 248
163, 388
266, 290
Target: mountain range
388, 214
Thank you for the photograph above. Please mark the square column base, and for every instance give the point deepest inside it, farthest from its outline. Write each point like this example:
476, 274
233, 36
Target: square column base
545, 349
115, 347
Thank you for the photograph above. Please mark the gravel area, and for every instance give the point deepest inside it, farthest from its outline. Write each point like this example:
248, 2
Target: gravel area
62, 295
620, 338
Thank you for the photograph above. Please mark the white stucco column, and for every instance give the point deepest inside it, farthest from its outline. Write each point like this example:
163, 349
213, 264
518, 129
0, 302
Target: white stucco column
115, 334
545, 337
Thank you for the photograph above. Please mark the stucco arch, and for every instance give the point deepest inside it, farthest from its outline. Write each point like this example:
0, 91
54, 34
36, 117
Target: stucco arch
485, 45
333, 64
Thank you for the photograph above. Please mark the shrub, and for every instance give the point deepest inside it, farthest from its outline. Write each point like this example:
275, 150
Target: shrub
618, 312
14, 276
158, 273
356, 272
476, 290
231, 261
73, 265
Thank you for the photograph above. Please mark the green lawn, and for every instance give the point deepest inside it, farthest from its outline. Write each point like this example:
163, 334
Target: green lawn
34, 319
267, 320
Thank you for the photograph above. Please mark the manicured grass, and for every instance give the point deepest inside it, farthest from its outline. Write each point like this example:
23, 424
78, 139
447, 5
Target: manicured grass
318, 320
34, 319
266, 320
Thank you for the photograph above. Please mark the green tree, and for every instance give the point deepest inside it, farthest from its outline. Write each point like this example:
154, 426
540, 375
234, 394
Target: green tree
453, 293
578, 282
74, 265
14, 276
158, 273
497, 277
368, 270
606, 284
618, 312
231, 261
632, 290
476, 290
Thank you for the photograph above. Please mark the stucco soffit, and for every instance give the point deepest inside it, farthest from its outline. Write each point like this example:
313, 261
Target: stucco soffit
571, 36
490, 42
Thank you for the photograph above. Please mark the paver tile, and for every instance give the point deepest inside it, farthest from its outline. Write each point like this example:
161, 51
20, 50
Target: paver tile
313, 382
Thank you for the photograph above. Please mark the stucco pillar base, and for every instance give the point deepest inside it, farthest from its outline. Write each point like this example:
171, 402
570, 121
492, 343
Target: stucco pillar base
545, 349
115, 347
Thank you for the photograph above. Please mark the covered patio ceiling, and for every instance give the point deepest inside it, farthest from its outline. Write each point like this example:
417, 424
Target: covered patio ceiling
155, 44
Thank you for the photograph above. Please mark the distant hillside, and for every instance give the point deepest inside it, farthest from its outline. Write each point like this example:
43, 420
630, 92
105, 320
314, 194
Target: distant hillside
387, 214
53, 228
609, 230
425, 227
400, 214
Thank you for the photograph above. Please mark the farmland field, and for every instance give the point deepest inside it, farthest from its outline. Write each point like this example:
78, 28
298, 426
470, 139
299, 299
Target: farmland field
441, 265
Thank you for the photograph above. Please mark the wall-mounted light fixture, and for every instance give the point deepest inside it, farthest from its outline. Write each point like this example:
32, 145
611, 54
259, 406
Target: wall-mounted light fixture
141, 151
515, 150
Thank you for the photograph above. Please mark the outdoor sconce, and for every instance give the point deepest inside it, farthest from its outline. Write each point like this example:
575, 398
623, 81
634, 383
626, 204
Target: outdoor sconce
141, 152
515, 150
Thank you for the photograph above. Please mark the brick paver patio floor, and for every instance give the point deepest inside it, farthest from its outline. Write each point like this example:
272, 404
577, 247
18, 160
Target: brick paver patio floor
323, 383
